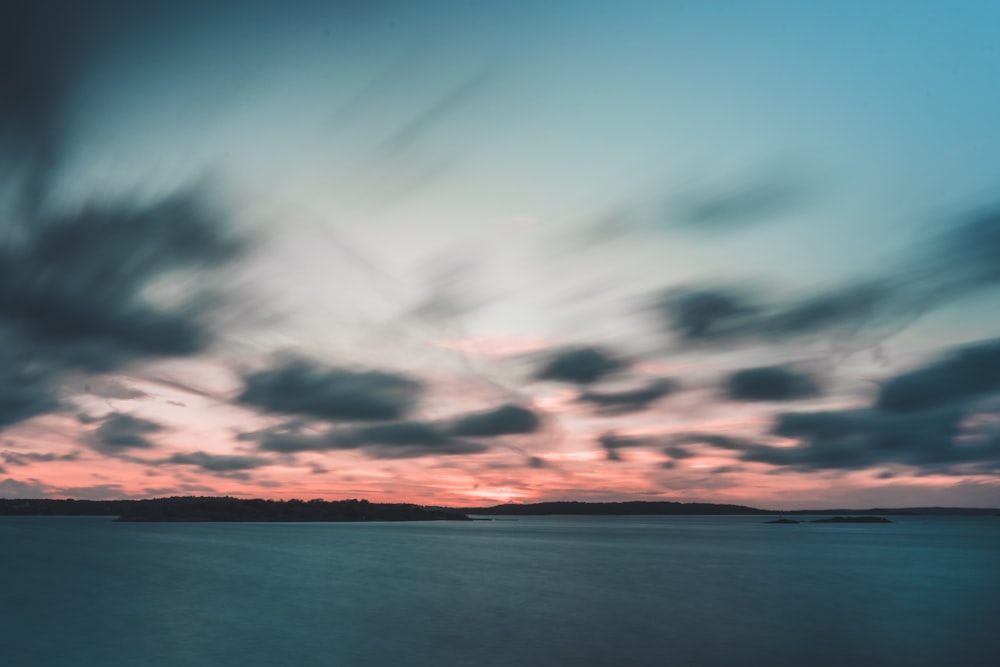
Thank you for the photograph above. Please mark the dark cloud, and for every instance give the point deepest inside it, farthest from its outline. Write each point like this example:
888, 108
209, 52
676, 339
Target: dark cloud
94, 492
677, 452
27, 458
44, 46
120, 432
848, 308
713, 439
579, 365
77, 286
708, 313
218, 462
612, 442
404, 440
302, 388
47, 50
725, 314
75, 294
961, 374
865, 438
959, 262
919, 419
25, 392
289, 438
630, 400
15, 488
855, 439
505, 420
770, 383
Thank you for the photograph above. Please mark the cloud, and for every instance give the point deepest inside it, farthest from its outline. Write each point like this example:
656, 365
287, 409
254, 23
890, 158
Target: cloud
957, 263
770, 383
967, 372
13, 488
856, 439
579, 365
506, 420
27, 458
25, 391
95, 492
630, 400
708, 313
863, 439
108, 283
960, 259
75, 294
677, 452
217, 462
921, 419
404, 440
332, 394
726, 314
289, 438
713, 439
43, 53
78, 285
120, 432
612, 442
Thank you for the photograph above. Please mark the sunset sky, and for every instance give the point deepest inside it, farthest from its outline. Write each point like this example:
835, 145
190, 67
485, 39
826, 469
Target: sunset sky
467, 253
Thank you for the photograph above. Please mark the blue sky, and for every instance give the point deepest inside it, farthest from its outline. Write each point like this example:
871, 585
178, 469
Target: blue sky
462, 194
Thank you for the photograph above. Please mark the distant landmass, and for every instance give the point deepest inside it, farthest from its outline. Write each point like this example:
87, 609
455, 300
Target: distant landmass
640, 508
634, 508
196, 508
230, 509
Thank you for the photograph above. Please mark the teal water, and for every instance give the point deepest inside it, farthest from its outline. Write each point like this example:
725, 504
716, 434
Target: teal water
629, 591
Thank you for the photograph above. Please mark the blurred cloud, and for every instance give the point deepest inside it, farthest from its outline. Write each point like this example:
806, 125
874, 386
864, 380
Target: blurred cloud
404, 440
77, 285
217, 462
15, 488
289, 438
611, 442
579, 365
629, 400
506, 420
918, 419
968, 372
957, 263
300, 387
770, 383
25, 392
28, 458
119, 433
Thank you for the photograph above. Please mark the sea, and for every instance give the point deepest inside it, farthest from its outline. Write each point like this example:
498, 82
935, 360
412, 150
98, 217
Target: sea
525, 592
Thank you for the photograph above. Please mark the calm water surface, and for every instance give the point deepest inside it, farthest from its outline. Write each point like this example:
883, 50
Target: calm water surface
549, 591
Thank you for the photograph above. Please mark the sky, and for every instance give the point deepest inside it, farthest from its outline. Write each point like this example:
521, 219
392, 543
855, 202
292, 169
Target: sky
470, 253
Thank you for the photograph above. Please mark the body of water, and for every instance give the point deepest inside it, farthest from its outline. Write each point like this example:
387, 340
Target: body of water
545, 591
